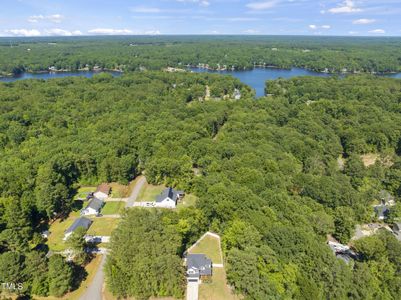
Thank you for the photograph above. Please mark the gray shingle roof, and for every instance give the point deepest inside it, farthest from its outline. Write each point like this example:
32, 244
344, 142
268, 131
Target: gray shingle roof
200, 264
169, 193
382, 211
80, 222
95, 204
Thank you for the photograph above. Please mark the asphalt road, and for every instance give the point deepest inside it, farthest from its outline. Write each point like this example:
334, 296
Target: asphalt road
94, 291
135, 192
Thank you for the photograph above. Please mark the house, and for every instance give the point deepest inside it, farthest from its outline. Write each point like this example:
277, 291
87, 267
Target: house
168, 198
237, 94
93, 208
381, 211
199, 268
80, 222
102, 191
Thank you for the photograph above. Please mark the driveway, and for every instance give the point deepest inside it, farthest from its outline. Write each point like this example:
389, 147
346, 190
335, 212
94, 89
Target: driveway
135, 192
94, 290
192, 290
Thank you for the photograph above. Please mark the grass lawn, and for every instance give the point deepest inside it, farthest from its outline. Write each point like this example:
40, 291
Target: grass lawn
217, 289
112, 208
188, 201
210, 247
149, 192
84, 191
118, 190
55, 240
91, 269
103, 226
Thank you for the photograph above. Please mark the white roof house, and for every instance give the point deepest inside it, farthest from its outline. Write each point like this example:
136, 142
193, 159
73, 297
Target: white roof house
93, 208
168, 198
102, 192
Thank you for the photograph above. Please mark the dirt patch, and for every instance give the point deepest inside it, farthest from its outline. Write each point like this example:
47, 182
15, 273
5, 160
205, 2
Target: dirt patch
369, 159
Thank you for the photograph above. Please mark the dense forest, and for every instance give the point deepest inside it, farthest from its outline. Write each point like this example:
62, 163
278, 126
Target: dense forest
328, 54
267, 176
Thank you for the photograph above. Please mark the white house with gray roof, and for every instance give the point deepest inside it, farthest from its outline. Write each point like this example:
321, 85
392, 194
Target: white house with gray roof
169, 198
199, 267
80, 222
93, 208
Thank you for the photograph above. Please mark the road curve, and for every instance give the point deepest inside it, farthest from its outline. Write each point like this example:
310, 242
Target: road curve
135, 192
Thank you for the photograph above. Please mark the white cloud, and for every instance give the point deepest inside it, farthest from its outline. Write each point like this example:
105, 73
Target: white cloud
23, 32
377, 31
346, 7
57, 18
353, 32
110, 31
315, 27
62, 32
146, 10
363, 21
200, 2
264, 5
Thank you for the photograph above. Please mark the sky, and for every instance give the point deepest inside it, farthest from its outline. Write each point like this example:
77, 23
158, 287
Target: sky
154, 17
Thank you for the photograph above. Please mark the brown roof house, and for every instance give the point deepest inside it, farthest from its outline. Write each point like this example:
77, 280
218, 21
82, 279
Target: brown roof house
102, 192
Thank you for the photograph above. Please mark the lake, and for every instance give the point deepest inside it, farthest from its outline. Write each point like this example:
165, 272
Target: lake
51, 75
255, 78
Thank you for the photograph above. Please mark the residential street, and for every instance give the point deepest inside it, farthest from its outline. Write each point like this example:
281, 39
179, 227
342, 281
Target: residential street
94, 290
135, 192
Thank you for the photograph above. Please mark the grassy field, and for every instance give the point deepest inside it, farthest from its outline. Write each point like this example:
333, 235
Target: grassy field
103, 226
149, 192
210, 247
75, 295
188, 201
55, 240
112, 208
84, 191
217, 289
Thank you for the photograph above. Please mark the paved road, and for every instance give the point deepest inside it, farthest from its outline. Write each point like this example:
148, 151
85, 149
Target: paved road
94, 291
192, 290
135, 192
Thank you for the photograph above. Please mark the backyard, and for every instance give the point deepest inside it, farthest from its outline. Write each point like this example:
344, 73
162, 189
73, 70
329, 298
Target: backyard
149, 192
103, 226
210, 246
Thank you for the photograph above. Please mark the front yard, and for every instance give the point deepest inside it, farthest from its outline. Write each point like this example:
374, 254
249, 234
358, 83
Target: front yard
217, 289
113, 208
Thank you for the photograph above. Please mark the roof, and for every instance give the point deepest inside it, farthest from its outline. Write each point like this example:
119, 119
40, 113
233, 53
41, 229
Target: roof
169, 193
381, 210
80, 222
104, 188
200, 264
95, 204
